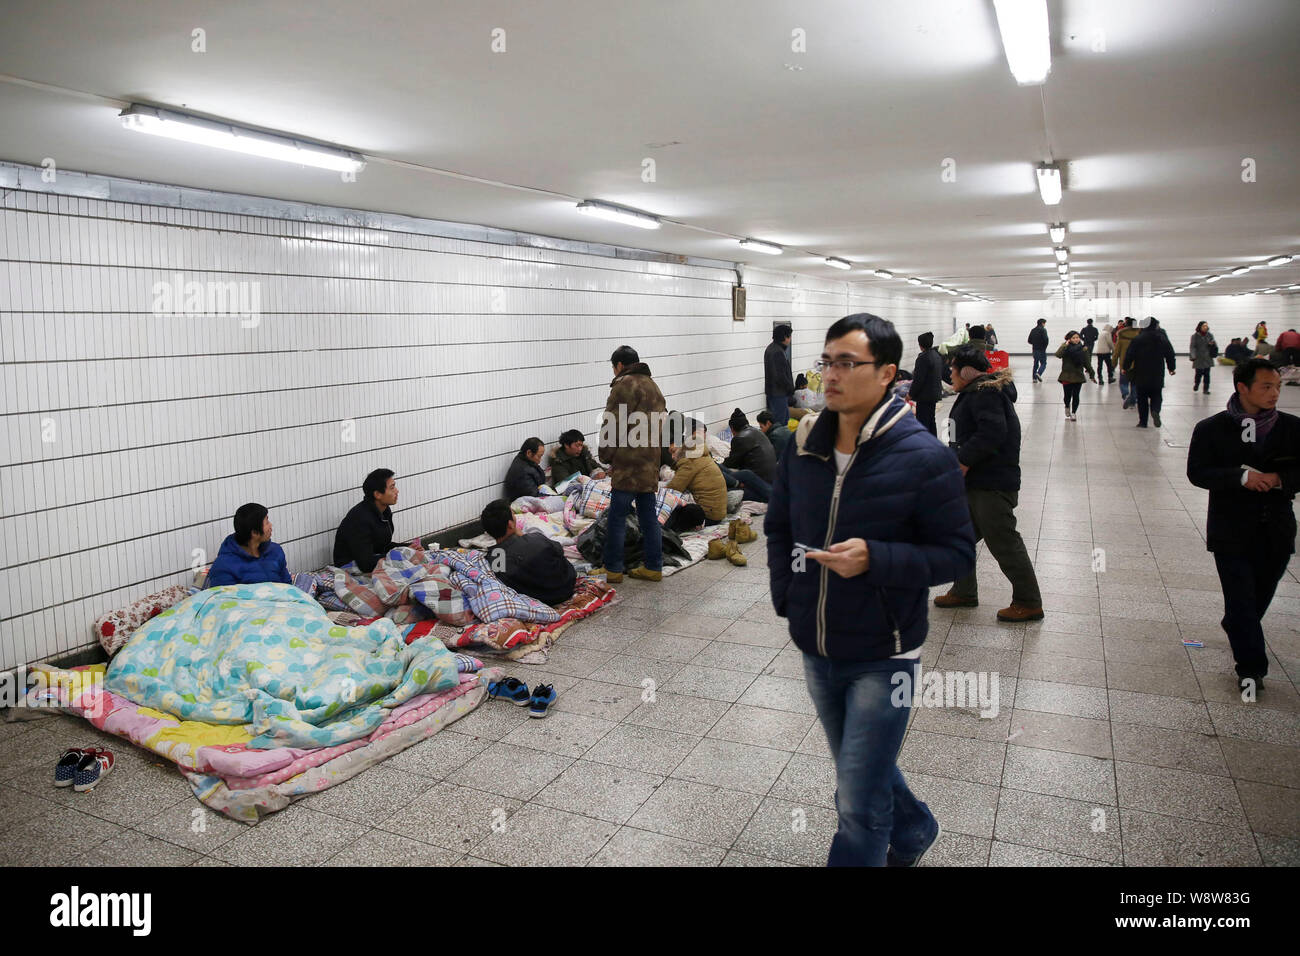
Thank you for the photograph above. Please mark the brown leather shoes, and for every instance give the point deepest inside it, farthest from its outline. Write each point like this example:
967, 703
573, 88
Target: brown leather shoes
950, 600
1020, 612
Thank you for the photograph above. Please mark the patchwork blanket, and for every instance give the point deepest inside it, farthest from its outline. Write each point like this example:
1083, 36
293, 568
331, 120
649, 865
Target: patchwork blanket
589, 497
405, 586
232, 776
520, 640
265, 656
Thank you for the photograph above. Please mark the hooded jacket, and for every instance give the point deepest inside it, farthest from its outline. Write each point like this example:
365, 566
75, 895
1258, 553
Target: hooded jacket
1076, 364
631, 430
901, 492
1038, 340
234, 565
698, 474
927, 377
777, 377
1147, 356
1123, 339
986, 429
1105, 342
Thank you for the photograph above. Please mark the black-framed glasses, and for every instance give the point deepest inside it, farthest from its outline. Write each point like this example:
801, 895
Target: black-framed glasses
843, 365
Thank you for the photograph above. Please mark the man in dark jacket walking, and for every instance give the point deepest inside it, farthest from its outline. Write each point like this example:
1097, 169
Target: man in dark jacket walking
1038, 341
1089, 335
752, 462
881, 503
1248, 457
631, 438
927, 381
987, 432
1144, 362
778, 379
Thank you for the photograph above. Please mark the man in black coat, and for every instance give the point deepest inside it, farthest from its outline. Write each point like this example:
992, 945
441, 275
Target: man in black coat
986, 431
1144, 363
1038, 341
1089, 335
365, 534
524, 477
529, 563
751, 465
778, 378
1248, 457
927, 381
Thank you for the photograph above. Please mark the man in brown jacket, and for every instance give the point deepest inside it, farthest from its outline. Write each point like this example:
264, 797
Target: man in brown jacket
1123, 339
631, 440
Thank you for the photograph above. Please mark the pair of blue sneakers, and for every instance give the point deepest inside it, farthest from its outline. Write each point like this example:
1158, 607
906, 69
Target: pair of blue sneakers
516, 691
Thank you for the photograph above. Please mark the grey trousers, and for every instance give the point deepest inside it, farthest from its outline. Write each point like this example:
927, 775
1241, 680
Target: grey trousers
994, 515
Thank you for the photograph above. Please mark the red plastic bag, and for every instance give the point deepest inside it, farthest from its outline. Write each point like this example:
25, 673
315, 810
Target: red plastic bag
998, 360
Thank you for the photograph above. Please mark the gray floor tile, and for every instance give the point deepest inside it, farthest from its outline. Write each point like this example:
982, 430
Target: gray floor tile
1063, 670
630, 847
807, 780
694, 624
561, 732
779, 693
130, 848
600, 790
569, 661
193, 825
1005, 637
44, 839
542, 836
1262, 762
737, 858
736, 657
1152, 839
384, 848
1253, 722
371, 795
710, 682
648, 749
1172, 713
962, 758
735, 766
775, 636
763, 727
635, 672
451, 816
1064, 826
1076, 735
1051, 643
296, 836
959, 805
780, 830
1073, 700
1076, 776
597, 699
1271, 809
697, 812
679, 713
1180, 793
658, 646
1161, 747
1278, 851
512, 771
1143, 678
1010, 854
957, 849
444, 753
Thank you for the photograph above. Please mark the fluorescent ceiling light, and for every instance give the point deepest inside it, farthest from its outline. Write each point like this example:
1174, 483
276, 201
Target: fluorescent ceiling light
838, 263
915, 282
1049, 183
883, 274
1240, 271
1279, 261
1023, 25
205, 132
951, 291
1269, 291
936, 287
621, 214
1191, 285
756, 245
1209, 279
1062, 253
1056, 232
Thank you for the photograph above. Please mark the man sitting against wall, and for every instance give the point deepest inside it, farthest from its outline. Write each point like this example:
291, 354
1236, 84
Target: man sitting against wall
573, 457
525, 477
699, 475
778, 433
366, 533
249, 556
752, 457
531, 563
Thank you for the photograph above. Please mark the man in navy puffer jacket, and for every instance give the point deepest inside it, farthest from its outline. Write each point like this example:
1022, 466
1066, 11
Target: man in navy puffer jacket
868, 511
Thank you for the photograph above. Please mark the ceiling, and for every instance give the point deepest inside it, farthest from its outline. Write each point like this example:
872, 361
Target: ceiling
836, 151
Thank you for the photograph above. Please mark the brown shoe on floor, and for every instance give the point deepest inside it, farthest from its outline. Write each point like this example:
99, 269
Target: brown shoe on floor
731, 529
744, 533
951, 600
735, 555
611, 577
1020, 612
642, 573
718, 548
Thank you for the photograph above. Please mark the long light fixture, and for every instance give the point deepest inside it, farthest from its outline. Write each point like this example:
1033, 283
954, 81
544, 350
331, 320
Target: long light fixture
1280, 260
1240, 271
757, 245
1062, 253
936, 287
883, 274
1191, 285
619, 214
835, 263
1056, 232
1024, 29
206, 132
915, 282
1211, 279
1049, 183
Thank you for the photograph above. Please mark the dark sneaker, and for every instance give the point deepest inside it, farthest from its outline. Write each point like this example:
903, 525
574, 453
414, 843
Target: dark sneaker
92, 769
1155, 417
891, 859
67, 766
1020, 612
511, 689
951, 600
543, 697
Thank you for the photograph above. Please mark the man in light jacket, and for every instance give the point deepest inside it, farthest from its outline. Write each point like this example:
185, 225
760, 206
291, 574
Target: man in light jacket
1104, 353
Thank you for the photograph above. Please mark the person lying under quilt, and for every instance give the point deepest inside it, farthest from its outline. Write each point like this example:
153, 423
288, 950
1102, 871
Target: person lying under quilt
531, 564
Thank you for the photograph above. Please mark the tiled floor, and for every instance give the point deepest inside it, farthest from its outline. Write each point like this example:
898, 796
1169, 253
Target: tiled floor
683, 733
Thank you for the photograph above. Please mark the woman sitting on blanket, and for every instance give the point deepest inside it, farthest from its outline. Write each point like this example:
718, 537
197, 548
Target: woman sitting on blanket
698, 474
249, 556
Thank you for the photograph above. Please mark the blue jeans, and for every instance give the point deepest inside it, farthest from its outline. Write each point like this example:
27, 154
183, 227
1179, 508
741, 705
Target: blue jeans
1125, 388
1040, 362
756, 489
779, 406
865, 731
647, 515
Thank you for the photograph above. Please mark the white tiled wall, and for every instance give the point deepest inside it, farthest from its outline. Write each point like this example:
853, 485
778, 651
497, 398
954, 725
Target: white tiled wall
129, 438
1229, 316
